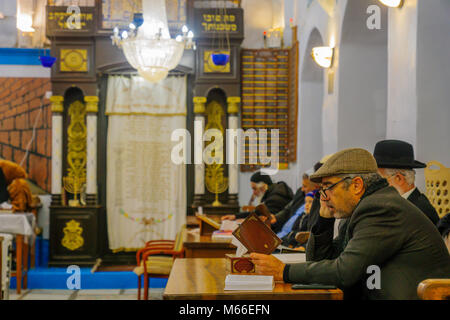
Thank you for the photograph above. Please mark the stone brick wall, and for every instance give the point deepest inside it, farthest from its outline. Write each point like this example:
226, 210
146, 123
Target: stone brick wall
20, 102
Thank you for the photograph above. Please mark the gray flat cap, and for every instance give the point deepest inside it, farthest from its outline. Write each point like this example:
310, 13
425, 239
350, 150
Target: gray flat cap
348, 161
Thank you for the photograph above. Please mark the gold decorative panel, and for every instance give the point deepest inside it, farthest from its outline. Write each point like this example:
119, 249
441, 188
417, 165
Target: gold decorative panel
215, 180
76, 151
72, 239
73, 60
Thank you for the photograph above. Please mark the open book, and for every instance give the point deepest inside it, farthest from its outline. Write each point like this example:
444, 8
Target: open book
249, 282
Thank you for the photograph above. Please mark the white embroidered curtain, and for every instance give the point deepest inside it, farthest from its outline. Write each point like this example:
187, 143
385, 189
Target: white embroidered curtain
146, 191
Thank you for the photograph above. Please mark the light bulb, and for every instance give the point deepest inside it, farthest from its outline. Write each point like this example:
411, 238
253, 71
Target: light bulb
124, 35
184, 29
132, 26
190, 35
179, 38
392, 3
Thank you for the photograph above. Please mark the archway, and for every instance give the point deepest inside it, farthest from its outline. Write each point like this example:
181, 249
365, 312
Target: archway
363, 66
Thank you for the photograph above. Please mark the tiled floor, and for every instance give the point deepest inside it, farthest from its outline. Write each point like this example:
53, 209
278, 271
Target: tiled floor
119, 294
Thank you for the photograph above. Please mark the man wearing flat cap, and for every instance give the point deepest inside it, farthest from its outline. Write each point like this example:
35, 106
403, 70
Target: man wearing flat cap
395, 160
383, 230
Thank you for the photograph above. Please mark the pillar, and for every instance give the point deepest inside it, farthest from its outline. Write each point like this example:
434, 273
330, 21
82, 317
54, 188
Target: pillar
91, 149
57, 148
233, 167
199, 125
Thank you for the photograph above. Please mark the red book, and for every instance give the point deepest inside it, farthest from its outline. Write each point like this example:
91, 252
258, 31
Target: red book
256, 236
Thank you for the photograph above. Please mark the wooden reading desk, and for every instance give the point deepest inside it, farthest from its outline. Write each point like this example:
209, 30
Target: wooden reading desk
196, 279
197, 246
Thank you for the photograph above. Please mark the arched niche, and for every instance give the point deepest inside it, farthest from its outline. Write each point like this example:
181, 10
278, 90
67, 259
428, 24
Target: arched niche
310, 106
363, 77
74, 143
216, 117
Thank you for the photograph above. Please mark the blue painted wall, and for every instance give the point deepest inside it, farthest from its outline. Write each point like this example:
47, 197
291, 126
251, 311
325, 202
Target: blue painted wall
19, 56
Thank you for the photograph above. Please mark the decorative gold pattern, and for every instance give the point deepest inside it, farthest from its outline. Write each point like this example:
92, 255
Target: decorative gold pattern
199, 104
57, 104
73, 60
233, 104
91, 104
72, 235
76, 155
210, 67
214, 178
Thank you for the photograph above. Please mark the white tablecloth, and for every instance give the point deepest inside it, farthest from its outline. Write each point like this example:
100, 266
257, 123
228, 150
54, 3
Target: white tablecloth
18, 223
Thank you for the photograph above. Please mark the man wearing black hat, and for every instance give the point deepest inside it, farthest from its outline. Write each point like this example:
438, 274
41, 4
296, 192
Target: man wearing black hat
274, 195
395, 160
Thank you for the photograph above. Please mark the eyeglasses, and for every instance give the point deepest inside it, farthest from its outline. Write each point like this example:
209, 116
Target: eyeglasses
322, 192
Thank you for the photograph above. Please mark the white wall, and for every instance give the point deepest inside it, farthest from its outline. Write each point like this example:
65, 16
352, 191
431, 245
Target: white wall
402, 97
260, 16
419, 74
433, 82
363, 79
8, 31
310, 141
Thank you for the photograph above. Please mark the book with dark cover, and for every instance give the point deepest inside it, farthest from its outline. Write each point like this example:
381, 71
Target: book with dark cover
256, 236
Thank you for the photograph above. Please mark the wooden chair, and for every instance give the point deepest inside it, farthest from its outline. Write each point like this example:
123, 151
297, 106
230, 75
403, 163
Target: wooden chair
437, 179
158, 256
434, 289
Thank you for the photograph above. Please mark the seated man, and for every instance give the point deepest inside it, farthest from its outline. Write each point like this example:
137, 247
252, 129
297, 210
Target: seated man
274, 195
283, 221
14, 187
384, 230
300, 224
395, 160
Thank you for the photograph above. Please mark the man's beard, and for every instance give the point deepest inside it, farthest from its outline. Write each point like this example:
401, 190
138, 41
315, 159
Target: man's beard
257, 200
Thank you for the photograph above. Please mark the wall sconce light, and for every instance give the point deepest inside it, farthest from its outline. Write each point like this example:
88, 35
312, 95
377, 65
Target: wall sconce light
392, 3
323, 56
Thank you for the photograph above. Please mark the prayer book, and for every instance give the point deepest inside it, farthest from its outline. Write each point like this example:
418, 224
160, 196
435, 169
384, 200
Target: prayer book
249, 282
222, 235
291, 257
256, 236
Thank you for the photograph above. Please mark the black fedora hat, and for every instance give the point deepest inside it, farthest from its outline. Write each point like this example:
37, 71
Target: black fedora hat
396, 154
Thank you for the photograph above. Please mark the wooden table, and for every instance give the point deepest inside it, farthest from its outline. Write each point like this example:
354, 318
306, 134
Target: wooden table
21, 229
197, 246
205, 279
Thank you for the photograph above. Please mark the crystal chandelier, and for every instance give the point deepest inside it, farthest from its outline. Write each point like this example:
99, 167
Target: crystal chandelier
148, 47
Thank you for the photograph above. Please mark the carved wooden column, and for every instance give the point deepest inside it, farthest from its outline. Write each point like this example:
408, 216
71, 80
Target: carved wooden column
57, 148
199, 126
91, 147
233, 167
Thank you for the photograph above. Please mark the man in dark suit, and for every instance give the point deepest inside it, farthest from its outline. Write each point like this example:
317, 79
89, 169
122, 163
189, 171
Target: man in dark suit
395, 160
274, 195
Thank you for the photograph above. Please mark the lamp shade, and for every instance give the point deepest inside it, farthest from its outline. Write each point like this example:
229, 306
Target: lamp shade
220, 59
323, 56
47, 61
